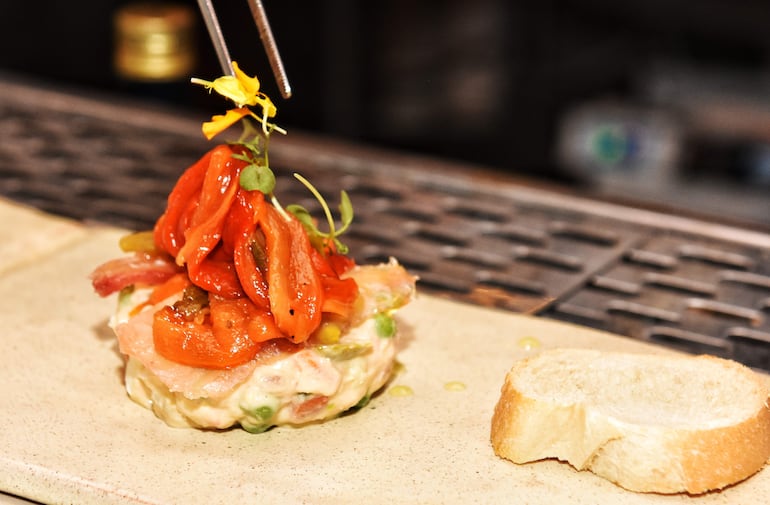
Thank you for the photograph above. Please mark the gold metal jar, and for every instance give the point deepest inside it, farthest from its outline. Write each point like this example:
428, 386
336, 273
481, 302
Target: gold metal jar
154, 42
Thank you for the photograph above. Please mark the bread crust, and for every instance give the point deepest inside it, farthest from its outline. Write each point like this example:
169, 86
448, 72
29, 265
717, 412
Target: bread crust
639, 457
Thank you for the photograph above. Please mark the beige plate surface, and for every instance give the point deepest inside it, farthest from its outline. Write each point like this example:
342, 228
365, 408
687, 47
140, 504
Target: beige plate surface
26, 235
70, 434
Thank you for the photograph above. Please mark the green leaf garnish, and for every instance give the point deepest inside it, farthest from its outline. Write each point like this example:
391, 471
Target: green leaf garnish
257, 175
254, 177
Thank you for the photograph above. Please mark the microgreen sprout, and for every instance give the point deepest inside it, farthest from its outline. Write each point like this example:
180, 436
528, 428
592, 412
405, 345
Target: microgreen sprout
346, 216
257, 175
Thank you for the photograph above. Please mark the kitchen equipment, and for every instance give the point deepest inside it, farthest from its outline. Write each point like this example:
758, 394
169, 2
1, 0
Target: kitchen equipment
265, 34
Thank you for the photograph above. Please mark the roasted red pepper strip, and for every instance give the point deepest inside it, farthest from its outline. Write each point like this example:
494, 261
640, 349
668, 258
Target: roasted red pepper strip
265, 280
339, 294
201, 343
229, 335
245, 240
296, 293
217, 196
168, 233
174, 285
339, 263
243, 317
218, 191
216, 276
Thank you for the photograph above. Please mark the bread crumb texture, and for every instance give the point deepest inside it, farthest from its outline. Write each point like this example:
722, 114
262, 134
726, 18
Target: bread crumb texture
649, 423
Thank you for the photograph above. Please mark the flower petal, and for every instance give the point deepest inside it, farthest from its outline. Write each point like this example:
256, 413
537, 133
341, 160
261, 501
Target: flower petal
230, 87
250, 85
220, 123
267, 105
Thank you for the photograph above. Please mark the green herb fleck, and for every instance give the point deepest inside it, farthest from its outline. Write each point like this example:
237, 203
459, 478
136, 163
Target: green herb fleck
264, 412
363, 402
384, 325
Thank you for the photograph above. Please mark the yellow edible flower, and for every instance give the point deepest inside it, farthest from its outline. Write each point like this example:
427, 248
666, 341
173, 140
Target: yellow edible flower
243, 90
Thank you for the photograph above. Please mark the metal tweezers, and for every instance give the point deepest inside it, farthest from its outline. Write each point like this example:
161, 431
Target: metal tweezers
265, 34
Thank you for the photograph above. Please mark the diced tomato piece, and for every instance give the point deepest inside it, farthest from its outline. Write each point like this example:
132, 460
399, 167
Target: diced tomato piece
310, 406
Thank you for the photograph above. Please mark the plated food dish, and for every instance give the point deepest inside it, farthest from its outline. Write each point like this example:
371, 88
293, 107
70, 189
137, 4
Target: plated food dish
236, 309
209, 335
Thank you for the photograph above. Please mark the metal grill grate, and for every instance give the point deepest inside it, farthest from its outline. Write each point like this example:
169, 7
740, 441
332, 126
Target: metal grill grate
675, 282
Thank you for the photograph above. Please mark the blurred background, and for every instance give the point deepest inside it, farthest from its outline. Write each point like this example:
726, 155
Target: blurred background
657, 102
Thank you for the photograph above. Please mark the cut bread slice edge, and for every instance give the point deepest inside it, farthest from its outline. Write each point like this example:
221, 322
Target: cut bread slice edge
647, 422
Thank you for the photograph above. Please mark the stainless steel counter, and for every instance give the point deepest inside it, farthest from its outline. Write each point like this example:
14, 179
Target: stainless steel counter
469, 234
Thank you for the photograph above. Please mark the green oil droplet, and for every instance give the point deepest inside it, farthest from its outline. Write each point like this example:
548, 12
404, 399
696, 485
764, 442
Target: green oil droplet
529, 343
455, 386
400, 391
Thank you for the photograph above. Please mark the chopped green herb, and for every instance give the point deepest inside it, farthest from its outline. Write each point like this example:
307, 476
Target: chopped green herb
193, 301
363, 402
124, 297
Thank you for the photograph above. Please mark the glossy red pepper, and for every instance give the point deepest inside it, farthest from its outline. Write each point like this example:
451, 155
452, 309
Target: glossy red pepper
296, 293
264, 279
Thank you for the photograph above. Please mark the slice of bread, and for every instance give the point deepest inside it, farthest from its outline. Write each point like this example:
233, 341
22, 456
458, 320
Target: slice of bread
649, 423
